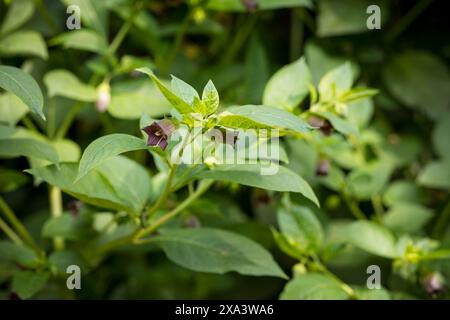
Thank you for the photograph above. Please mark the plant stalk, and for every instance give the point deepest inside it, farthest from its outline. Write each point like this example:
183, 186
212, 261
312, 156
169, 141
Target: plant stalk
56, 211
17, 225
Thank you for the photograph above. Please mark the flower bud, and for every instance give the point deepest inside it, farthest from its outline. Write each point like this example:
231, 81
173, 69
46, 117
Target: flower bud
321, 123
103, 97
323, 167
433, 283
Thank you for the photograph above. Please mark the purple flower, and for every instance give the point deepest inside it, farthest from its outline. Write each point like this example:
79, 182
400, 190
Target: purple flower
323, 167
433, 283
158, 133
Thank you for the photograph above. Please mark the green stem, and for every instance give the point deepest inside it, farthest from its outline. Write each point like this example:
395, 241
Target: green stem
442, 222
378, 206
29, 124
239, 40
354, 209
202, 188
406, 20
152, 210
10, 233
343, 285
51, 121
56, 211
296, 36
17, 225
179, 37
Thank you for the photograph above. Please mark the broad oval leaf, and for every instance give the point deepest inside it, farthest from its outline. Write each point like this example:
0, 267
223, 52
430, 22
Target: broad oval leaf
419, 80
105, 148
65, 84
210, 98
19, 12
301, 228
261, 117
24, 43
440, 136
313, 286
84, 39
217, 251
119, 183
131, 99
24, 86
436, 174
288, 86
372, 237
31, 148
407, 217
284, 180
27, 283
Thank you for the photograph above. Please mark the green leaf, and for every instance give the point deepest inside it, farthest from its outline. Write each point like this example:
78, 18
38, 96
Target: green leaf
288, 87
84, 39
19, 12
31, 148
67, 150
93, 14
372, 294
10, 180
320, 61
67, 227
105, 148
210, 98
177, 102
217, 251
63, 259
419, 80
256, 71
436, 174
371, 237
369, 179
131, 99
313, 286
357, 94
183, 90
24, 256
12, 109
402, 191
336, 82
119, 183
236, 5
24, 86
407, 217
284, 180
27, 283
301, 228
65, 84
24, 43
440, 136
261, 117
341, 125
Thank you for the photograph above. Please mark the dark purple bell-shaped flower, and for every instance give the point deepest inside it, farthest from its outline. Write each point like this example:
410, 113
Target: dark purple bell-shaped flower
159, 132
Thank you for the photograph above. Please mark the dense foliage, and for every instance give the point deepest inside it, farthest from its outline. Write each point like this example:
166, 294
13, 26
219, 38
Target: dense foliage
92, 176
